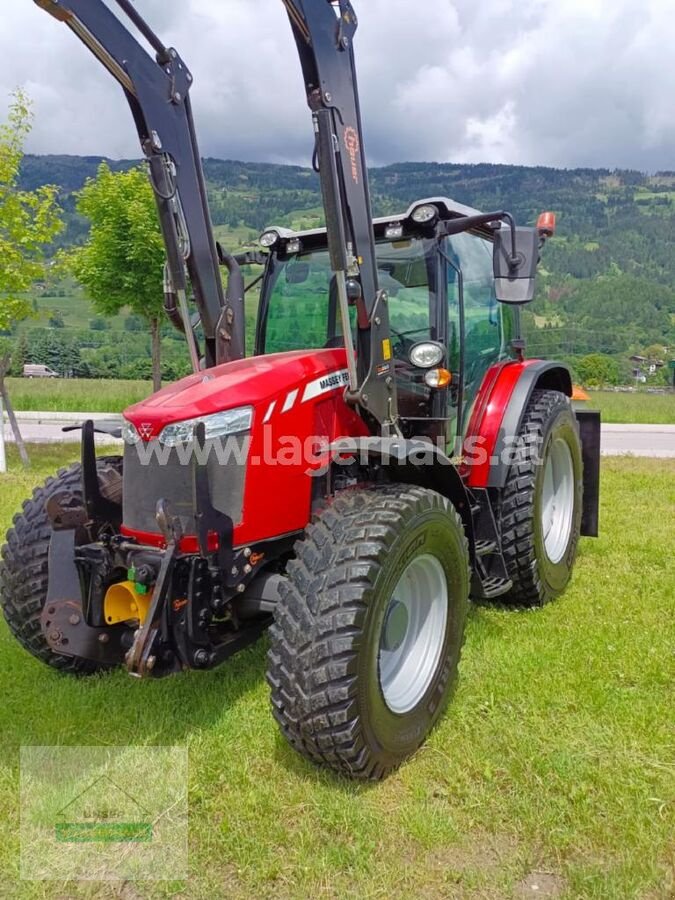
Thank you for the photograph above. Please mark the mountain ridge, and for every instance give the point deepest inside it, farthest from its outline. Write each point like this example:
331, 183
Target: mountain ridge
608, 277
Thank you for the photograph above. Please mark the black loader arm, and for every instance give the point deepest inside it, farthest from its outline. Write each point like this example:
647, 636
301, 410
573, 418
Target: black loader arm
157, 90
324, 33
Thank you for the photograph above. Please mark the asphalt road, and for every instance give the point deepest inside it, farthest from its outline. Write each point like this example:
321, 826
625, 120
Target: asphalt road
617, 440
43, 428
638, 440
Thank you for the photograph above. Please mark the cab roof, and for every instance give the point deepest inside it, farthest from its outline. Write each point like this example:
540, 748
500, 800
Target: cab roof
448, 209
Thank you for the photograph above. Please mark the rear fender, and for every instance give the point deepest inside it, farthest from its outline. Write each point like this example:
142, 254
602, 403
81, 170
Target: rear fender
498, 415
411, 462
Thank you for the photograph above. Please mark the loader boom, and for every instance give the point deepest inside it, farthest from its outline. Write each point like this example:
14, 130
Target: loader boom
324, 33
157, 90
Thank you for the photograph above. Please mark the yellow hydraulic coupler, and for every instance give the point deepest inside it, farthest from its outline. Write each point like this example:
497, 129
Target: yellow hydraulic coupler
124, 603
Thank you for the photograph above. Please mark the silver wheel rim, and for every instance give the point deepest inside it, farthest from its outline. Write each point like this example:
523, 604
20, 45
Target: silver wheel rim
557, 500
413, 633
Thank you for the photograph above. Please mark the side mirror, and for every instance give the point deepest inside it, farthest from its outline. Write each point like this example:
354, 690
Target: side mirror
515, 276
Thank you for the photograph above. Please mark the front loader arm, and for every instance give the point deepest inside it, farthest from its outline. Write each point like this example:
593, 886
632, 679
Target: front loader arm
157, 90
324, 33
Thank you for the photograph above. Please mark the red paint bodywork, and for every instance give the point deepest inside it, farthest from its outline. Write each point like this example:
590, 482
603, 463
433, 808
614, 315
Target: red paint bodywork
277, 497
486, 419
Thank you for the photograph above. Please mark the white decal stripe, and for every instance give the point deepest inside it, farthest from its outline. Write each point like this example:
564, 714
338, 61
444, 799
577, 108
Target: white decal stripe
290, 400
270, 412
330, 382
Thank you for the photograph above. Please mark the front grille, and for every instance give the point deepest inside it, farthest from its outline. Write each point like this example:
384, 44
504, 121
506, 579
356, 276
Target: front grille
147, 480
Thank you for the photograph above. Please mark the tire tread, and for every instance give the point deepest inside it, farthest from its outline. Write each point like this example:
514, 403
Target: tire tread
315, 639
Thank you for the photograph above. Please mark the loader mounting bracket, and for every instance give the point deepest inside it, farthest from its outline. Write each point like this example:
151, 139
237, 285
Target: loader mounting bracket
68, 634
99, 508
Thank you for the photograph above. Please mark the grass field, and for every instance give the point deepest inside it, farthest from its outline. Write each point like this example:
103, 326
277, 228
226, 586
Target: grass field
554, 766
637, 409
78, 395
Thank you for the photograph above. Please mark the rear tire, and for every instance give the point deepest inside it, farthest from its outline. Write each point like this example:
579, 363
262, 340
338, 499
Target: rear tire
360, 676
24, 573
542, 502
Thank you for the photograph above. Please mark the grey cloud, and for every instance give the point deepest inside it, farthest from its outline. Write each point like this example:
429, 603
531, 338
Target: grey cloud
552, 82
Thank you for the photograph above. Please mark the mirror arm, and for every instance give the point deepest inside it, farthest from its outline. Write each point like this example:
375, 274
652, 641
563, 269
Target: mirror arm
466, 223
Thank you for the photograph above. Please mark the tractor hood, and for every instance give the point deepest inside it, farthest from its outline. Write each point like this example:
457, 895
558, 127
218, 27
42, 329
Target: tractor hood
256, 381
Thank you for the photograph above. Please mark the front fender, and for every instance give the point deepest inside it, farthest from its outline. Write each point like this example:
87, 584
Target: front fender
410, 461
498, 414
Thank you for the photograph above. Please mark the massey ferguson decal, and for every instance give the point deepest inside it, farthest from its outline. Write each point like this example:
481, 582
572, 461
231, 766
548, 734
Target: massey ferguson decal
353, 147
326, 384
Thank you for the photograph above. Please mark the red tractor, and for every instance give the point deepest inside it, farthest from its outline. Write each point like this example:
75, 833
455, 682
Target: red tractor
387, 453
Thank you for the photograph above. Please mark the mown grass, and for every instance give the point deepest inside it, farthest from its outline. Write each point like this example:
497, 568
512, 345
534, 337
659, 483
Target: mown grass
110, 395
639, 408
76, 394
555, 757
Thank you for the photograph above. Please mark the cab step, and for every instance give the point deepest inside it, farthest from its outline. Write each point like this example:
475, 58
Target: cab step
490, 577
484, 548
495, 587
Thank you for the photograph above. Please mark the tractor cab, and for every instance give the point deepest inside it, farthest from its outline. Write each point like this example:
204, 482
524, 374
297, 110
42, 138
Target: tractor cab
447, 326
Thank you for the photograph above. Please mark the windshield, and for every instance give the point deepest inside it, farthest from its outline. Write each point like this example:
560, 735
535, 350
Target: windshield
302, 308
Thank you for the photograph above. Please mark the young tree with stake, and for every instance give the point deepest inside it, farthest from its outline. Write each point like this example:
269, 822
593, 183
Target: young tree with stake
121, 263
29, 220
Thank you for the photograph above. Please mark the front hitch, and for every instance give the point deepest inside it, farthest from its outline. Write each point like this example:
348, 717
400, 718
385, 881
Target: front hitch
141, 658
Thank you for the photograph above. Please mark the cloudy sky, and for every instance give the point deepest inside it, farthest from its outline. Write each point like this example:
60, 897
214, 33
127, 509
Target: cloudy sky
551, 82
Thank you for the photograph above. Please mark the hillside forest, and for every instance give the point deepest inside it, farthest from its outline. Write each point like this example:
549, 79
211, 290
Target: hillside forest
606, 291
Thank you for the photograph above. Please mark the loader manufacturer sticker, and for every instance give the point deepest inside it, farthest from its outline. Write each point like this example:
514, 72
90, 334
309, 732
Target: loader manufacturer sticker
353, 147
326, 384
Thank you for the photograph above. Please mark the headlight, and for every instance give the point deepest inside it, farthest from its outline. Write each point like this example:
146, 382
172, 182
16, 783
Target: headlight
426, 355
425, 214
232, 421
130, 433
268, 239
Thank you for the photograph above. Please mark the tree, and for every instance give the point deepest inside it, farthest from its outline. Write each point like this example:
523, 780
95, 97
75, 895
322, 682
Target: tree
29, 220
19, 356
56, 319
5, 364
133, 323
597, 370
121, 262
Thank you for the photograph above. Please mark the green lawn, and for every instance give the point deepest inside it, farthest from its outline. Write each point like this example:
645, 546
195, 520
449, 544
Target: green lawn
554, 764
76, 394
638, 408
82, 395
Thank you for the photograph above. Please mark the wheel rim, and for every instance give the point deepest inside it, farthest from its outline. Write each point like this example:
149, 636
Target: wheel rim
557, 500
413, 633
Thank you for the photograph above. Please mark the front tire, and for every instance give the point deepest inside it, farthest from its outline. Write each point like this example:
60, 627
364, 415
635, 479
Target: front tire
368, 632
542, 502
